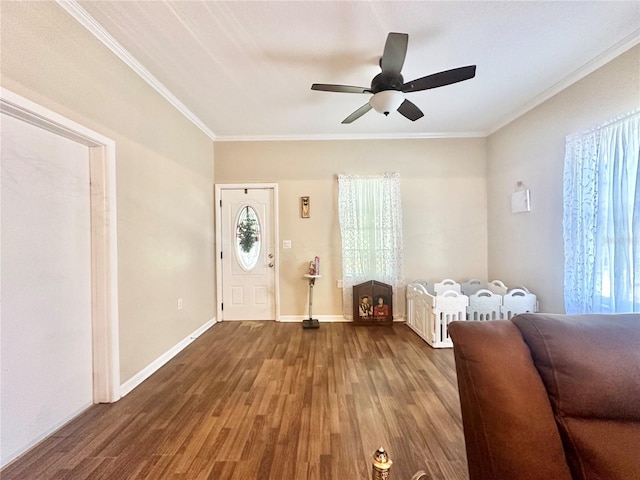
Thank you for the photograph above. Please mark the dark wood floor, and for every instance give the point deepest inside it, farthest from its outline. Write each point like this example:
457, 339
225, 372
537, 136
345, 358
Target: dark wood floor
266, 400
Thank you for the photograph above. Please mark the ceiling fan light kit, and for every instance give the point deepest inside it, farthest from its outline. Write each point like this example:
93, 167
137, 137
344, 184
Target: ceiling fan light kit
386, 101
388, 87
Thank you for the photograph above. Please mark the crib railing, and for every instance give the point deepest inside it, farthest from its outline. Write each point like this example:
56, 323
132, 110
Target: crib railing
429, 313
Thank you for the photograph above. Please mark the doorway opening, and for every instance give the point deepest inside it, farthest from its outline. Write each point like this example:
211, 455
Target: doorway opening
104, 255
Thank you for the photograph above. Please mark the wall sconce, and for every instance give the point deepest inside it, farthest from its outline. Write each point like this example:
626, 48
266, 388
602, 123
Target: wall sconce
520, 199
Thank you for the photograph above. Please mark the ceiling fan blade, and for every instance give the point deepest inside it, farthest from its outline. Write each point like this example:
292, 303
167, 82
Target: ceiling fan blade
326, 87
409, 110
440, 79
358, 113
395, 49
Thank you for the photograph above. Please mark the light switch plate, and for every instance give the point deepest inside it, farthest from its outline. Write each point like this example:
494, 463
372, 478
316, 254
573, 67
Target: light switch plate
286, 244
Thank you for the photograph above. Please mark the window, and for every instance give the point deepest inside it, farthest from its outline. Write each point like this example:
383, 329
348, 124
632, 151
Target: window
371, 227
248, 233
602, 218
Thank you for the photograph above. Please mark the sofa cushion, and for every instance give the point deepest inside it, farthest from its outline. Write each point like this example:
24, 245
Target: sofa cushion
590, 366
507, 417
604, 449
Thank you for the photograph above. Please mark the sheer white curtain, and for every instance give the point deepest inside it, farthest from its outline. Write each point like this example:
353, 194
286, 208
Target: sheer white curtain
370, 214
602, 218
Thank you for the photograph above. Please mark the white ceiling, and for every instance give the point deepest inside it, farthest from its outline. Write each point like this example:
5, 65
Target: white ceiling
243, 70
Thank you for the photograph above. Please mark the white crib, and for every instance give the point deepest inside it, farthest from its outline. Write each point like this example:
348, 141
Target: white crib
420, 309
484, 305
518, 300
473, 286
446, 285
429, 315
449, 306
496, 286
432, 306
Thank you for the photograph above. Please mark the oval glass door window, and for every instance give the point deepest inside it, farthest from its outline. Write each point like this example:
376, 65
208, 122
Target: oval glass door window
248, 238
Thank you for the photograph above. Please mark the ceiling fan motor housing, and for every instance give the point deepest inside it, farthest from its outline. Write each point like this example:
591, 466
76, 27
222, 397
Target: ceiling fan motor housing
387, 81
387, 92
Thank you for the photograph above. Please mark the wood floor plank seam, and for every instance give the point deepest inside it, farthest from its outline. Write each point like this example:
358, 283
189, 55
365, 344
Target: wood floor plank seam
271, 401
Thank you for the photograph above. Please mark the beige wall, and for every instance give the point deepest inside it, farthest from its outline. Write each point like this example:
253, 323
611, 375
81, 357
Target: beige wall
443, 185
164, 173
165, 178
528, 248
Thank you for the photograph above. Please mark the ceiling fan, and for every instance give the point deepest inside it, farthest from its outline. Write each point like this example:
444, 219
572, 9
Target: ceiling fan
388, 87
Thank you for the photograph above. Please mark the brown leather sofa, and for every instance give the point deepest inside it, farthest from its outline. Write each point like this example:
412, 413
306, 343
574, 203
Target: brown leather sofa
550, 397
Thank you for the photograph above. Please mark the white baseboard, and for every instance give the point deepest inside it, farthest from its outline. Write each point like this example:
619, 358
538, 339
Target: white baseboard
150, 369
9, 458
324, 318
320, 318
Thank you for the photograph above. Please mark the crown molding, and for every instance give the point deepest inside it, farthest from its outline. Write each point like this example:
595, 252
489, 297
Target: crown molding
87, 21
82, 16
364, 136
616, 50
91, 24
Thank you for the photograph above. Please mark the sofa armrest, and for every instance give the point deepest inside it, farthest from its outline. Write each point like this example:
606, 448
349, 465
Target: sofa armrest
509, 427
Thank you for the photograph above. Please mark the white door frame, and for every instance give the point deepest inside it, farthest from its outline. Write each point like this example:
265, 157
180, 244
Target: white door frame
218, 198
104, 252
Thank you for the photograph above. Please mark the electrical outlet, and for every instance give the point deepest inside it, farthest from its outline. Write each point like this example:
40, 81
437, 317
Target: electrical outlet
180, 304
286, 244
339, 283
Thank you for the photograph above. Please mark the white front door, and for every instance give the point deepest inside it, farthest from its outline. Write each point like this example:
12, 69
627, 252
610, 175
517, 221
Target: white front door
247, 254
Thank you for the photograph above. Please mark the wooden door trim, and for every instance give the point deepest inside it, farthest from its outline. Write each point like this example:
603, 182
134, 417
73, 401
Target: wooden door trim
104, 251
219, 188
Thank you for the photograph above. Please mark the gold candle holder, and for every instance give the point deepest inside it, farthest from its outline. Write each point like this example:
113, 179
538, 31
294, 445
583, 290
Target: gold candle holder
381, 465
